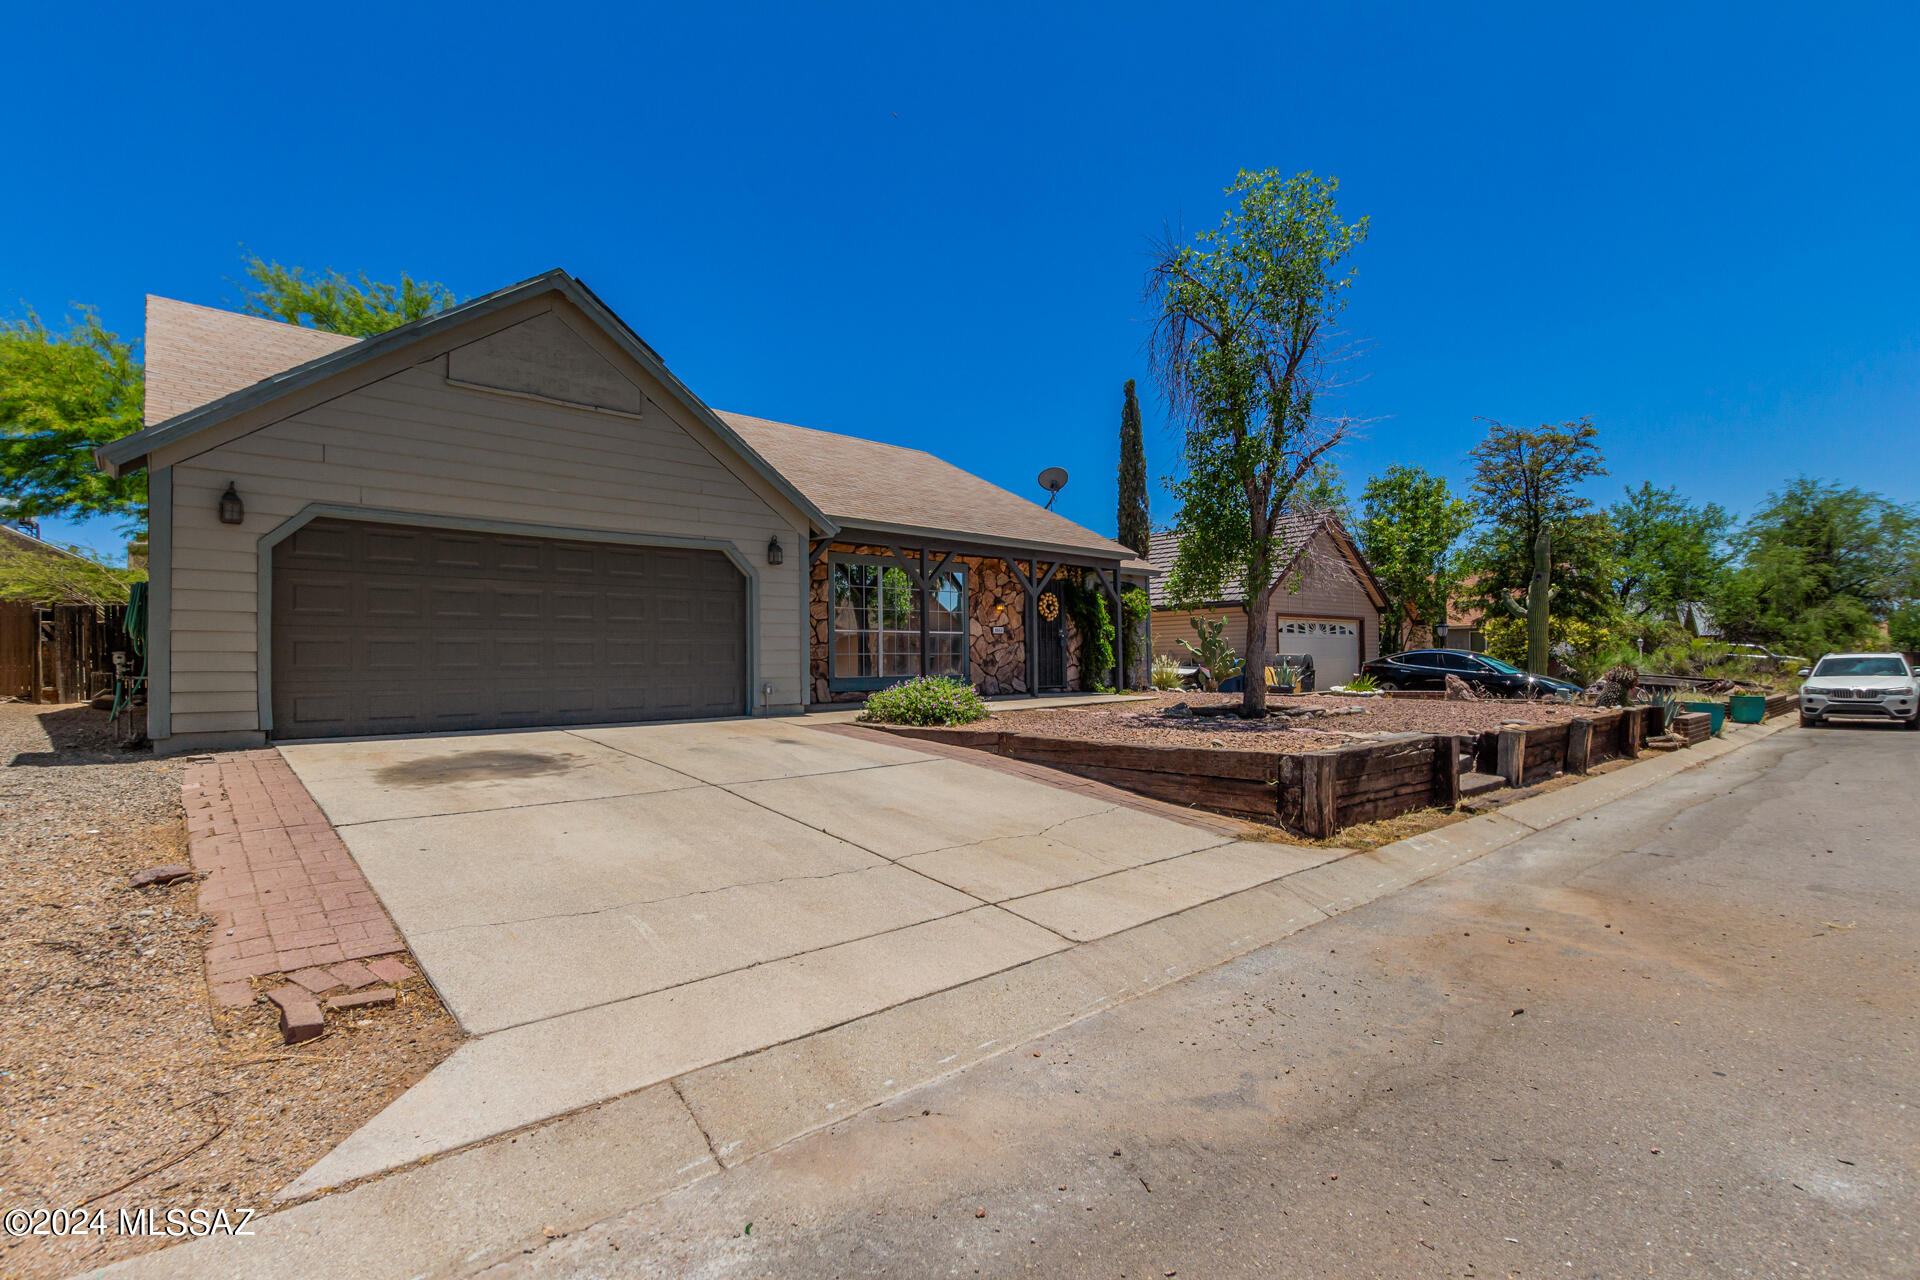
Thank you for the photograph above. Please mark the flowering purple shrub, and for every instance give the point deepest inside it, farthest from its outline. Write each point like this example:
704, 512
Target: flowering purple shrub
926, 700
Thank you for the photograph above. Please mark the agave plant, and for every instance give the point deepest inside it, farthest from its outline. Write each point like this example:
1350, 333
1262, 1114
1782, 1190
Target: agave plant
1668, 704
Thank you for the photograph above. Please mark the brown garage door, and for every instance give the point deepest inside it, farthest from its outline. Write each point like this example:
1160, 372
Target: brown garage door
381, 628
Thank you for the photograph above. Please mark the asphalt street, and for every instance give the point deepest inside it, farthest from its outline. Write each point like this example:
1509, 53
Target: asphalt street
1677, 1037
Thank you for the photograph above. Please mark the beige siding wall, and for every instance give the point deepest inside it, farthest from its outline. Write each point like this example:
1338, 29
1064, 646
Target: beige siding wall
1329, 588
415, 443
1171, 626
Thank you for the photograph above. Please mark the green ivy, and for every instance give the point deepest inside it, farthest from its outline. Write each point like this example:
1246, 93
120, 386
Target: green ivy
1086, 602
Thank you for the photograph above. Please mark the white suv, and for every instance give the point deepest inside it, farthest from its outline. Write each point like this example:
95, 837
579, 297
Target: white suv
1879, 686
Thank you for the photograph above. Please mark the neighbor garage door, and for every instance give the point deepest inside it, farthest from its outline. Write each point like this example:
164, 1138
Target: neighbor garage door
1333, 642
381, 628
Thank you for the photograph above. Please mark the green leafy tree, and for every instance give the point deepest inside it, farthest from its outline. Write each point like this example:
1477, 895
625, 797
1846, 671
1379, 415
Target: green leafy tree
1822, 567
1903, 628
1325, 489
60, 396
330, 300
1539, 538
1667, 551
1136, 530
1242, 347
1410, 529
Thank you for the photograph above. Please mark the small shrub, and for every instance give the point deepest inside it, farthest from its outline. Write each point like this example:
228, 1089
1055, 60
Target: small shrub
926, 700
1361, 684
1166, 673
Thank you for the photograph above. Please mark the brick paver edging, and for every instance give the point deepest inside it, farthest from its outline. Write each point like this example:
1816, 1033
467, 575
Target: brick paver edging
281, 889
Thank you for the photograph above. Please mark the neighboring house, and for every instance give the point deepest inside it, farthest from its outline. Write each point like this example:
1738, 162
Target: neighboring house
1328, 604
54, 650
1464, 629
1698, 619
512, 514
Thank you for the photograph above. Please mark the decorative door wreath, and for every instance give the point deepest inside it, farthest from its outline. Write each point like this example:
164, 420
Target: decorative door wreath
1049, 606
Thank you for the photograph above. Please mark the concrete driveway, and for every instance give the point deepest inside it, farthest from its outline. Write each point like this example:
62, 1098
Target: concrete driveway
608, 908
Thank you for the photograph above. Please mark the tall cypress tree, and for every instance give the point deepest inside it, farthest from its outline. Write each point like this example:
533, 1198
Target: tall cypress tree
1135, 529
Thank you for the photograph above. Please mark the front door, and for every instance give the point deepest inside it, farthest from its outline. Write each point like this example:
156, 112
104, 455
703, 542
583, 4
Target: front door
1051, 639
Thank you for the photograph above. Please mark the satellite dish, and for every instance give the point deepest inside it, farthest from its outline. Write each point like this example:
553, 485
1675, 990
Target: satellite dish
1053, 480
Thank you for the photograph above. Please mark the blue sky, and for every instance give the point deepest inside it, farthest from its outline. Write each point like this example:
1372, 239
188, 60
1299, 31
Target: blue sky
929, 226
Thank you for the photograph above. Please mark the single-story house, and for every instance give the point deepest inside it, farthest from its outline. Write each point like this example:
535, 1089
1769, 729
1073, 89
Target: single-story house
511, 513
1465, 628
1328, 606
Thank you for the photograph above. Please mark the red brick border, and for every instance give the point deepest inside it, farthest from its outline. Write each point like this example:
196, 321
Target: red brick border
281, 889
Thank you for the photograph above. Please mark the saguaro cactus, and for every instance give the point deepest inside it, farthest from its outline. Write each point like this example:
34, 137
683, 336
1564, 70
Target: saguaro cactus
1540, 593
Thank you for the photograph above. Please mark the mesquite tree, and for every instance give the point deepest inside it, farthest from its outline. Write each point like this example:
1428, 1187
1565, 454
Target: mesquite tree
1242, 347
1525, 479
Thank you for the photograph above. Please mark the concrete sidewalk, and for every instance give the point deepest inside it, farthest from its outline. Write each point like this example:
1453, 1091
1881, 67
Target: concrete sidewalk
447, 1216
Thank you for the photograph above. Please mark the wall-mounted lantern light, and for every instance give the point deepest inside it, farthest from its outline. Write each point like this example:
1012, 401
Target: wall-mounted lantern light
231, 509
774, 552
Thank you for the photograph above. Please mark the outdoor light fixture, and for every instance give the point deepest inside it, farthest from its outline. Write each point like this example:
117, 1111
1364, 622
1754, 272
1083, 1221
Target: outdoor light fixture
231, 509
1440, 634
774, 554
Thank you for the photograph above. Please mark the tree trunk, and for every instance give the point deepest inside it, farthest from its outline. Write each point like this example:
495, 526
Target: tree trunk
1253, 665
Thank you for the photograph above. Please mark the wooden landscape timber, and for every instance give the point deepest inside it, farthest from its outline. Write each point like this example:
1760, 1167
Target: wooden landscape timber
1317, 793
1240, 783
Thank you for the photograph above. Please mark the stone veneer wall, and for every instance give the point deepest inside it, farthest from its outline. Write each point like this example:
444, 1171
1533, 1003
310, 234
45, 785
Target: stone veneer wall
998, 663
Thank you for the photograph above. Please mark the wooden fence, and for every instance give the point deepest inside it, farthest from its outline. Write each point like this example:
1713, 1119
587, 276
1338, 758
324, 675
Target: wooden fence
59, 654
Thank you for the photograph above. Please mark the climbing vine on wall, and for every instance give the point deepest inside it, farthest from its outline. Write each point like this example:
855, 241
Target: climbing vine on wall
1086, 603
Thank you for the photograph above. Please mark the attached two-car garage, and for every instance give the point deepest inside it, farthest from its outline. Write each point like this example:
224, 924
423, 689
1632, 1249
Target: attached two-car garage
1332, 643
392, 628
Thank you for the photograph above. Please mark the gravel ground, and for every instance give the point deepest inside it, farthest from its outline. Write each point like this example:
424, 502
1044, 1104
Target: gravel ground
119, 1085
1349, 719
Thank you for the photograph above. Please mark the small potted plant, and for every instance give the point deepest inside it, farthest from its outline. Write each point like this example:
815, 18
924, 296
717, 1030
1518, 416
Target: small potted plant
1283, 677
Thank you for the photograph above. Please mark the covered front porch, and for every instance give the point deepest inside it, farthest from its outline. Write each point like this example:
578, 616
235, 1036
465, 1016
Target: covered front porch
887, 607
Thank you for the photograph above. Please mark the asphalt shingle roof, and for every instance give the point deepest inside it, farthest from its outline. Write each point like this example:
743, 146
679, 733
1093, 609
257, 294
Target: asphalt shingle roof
866, 482
196, 354
1296, 529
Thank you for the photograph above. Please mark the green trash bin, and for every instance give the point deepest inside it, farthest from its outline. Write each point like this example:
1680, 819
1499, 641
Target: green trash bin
1716, 711
1747, 708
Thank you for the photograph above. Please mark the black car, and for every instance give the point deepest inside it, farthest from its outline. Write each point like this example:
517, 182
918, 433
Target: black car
1429, 669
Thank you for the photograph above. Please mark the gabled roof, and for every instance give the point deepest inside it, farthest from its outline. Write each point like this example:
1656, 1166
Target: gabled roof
1296, 531
205, 366
892, 489
197, 354
130, 452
